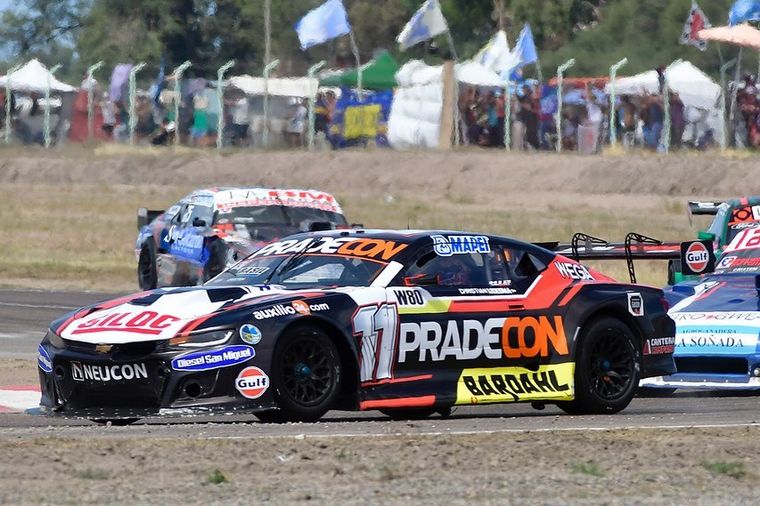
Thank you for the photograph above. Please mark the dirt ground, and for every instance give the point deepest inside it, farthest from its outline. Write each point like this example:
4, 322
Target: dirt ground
685, 466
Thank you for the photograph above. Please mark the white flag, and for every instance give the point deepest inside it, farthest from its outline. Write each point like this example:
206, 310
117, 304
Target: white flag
495, 55
426, 23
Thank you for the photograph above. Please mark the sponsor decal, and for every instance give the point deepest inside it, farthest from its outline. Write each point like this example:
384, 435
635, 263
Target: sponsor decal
250, 334
745, 214
251, 271
744, 225
726, 262
697, 257
377, 249
409, 297
500, 282
487, 291
252, 382
446, 246
659, 345
301, 307
635, 304
496, 339
297, 307
746, 239
573, 271
214, 359
717, 316
145, 322
713, 338
43, 359
512, 384
106, 373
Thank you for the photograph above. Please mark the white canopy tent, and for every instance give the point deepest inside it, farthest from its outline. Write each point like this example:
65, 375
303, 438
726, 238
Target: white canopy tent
283, 87
415, 118
34, 77
694, 87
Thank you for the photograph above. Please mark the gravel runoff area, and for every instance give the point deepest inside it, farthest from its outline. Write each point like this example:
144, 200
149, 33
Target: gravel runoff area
635, 466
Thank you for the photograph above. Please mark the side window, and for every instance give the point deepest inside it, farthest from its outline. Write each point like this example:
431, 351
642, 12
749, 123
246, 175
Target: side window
204, 213
461, 270
513, 267
181, 217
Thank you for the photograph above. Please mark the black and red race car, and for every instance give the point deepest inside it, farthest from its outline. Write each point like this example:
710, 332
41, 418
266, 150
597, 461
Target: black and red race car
407, 322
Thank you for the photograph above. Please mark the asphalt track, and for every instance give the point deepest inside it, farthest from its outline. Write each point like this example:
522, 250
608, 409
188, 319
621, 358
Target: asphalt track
24, 315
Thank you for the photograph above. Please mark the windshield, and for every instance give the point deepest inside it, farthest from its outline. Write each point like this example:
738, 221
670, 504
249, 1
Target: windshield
301, 271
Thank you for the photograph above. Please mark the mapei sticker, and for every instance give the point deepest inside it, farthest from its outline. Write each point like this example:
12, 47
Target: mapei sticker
250, 334
214, 359
512, 384
252, 382
635, 304
446, 246
43, 359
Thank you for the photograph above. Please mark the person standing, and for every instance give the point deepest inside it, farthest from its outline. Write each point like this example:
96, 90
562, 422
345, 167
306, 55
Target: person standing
240, 121
296, 124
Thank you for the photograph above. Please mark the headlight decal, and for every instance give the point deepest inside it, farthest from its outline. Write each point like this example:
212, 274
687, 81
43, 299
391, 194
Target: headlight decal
204, 339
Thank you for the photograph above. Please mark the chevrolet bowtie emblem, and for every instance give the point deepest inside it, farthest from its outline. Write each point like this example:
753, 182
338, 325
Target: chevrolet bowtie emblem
103, 348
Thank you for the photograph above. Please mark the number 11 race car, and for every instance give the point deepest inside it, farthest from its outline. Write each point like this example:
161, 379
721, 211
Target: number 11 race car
407, 322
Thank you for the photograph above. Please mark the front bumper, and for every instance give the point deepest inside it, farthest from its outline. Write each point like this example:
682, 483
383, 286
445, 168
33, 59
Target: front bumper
710, 372
161, 391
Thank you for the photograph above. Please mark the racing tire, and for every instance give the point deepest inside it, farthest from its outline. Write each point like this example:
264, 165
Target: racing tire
306, 376
655, 392
116, 422
607, 368
217, 260
674, 269
147, 273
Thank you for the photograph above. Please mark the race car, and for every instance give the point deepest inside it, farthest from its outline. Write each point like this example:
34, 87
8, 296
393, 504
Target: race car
717, 317
196, 238
406, 322
731, 217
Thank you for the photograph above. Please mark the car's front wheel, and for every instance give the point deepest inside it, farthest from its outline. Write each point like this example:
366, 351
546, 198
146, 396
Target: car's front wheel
147, 274
306, 375
607, 368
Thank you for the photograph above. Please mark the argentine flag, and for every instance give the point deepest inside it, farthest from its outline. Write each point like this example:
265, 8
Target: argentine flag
326, 22
426, 23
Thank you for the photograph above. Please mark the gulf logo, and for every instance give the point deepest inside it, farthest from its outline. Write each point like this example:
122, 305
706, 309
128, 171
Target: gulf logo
697, 257
252, 382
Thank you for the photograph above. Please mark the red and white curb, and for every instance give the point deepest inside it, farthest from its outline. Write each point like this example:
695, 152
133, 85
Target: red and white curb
16, 399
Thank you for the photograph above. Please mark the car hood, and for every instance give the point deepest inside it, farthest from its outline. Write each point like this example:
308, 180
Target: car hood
720, 317
164, 313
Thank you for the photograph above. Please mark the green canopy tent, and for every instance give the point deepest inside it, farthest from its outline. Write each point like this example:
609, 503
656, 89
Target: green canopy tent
377, 74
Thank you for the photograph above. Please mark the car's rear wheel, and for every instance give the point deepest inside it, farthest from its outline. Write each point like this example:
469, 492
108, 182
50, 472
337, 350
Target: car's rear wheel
606, 370
674, 271
147, 275
306, 375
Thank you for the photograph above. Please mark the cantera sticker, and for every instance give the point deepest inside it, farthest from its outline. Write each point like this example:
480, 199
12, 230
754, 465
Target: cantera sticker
512, 384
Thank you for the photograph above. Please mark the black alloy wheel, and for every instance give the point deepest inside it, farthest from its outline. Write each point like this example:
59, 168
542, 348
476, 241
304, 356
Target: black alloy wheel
306, 374
147, 274
607, 368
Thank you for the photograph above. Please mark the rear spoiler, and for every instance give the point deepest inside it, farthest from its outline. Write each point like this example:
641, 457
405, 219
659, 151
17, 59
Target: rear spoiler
697, 208
635, 247
145, 216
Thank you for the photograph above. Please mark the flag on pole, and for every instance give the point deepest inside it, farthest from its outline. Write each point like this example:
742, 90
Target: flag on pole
426, 23
525, 49
744, 10
326, 22
694, 23
495, 55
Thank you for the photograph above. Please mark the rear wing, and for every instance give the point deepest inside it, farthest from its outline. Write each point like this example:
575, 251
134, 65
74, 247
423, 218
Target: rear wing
145, 216
635, 247
697, 208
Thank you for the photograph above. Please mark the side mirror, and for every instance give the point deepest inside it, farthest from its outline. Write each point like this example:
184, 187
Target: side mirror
197, 222
705, 236
421, 280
